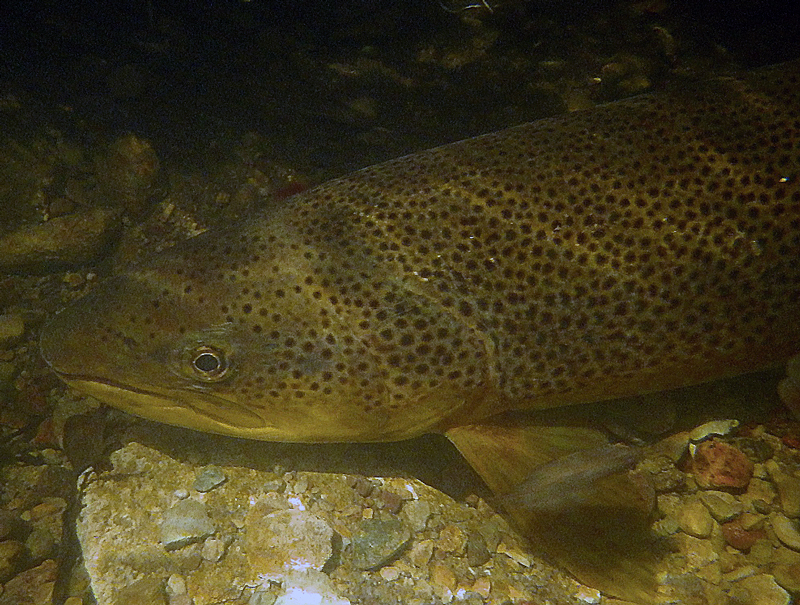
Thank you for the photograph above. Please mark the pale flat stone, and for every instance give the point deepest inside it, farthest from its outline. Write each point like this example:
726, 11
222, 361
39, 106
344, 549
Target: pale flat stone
760, 589
695, 520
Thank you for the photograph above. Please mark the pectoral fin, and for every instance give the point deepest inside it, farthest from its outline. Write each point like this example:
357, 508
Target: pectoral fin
572, 495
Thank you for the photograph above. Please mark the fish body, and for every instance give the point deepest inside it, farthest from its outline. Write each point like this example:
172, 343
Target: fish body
642, 245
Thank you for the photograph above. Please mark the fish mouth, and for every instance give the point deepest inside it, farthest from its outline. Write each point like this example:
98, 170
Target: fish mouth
207, 412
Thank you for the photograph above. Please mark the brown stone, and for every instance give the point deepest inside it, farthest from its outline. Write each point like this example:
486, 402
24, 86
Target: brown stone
739, 537
719, 465
32, 586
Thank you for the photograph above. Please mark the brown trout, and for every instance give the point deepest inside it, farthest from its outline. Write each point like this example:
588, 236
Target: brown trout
639, 246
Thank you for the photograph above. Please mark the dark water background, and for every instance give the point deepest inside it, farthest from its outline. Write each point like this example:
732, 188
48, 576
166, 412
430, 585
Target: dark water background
186, 75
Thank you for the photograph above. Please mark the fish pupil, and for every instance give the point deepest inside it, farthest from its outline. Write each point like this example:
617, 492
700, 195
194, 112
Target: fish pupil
206, 362
210, 363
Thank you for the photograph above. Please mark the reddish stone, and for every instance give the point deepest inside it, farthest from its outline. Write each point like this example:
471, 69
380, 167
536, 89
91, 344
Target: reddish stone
719, 465
390, 501
739, 537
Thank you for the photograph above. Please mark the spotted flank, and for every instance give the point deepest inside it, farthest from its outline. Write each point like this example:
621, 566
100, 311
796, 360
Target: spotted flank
643, 245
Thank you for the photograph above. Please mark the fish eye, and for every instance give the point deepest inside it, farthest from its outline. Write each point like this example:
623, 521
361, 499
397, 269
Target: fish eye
209, 363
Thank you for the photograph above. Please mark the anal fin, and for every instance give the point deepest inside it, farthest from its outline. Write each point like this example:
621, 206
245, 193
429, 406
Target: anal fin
573, 496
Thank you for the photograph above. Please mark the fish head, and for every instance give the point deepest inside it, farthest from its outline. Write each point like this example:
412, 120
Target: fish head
243, 349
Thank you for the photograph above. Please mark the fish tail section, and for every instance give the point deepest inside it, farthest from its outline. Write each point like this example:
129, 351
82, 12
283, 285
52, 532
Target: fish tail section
572, 495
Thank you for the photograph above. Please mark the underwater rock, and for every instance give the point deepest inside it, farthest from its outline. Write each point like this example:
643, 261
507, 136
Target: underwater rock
718, 465
286, 539
71, 239
377, 542
185, 523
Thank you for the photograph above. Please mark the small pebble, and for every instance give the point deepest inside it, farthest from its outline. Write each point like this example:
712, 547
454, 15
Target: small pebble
421, 552
739, 573
751, 521
739, 537
377, 542
711, 573
483, 586
788, 489
416, 514
760, 471
786, 530
390, 573
301, 486
788, 578
273, 501
186, 522
75, 238
213, 550
785, 556
666, 526
515, 554
722, 505
147, 590
477, 551
492, 530
697, 552
451, 539
40, 545
391, 501
176, 585
74, 279
669, 505
442, 575
589, 595
695, 520
668, 478
208, 478
760, 589
762, 552
363, 486
673, 447
275, 485
759, 496
35, 586
757, 450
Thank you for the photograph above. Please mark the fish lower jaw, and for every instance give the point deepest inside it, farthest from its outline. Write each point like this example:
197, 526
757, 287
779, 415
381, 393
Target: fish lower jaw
212, 414
231, 419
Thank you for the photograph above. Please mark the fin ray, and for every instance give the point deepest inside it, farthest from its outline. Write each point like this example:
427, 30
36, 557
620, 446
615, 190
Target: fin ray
571, 494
